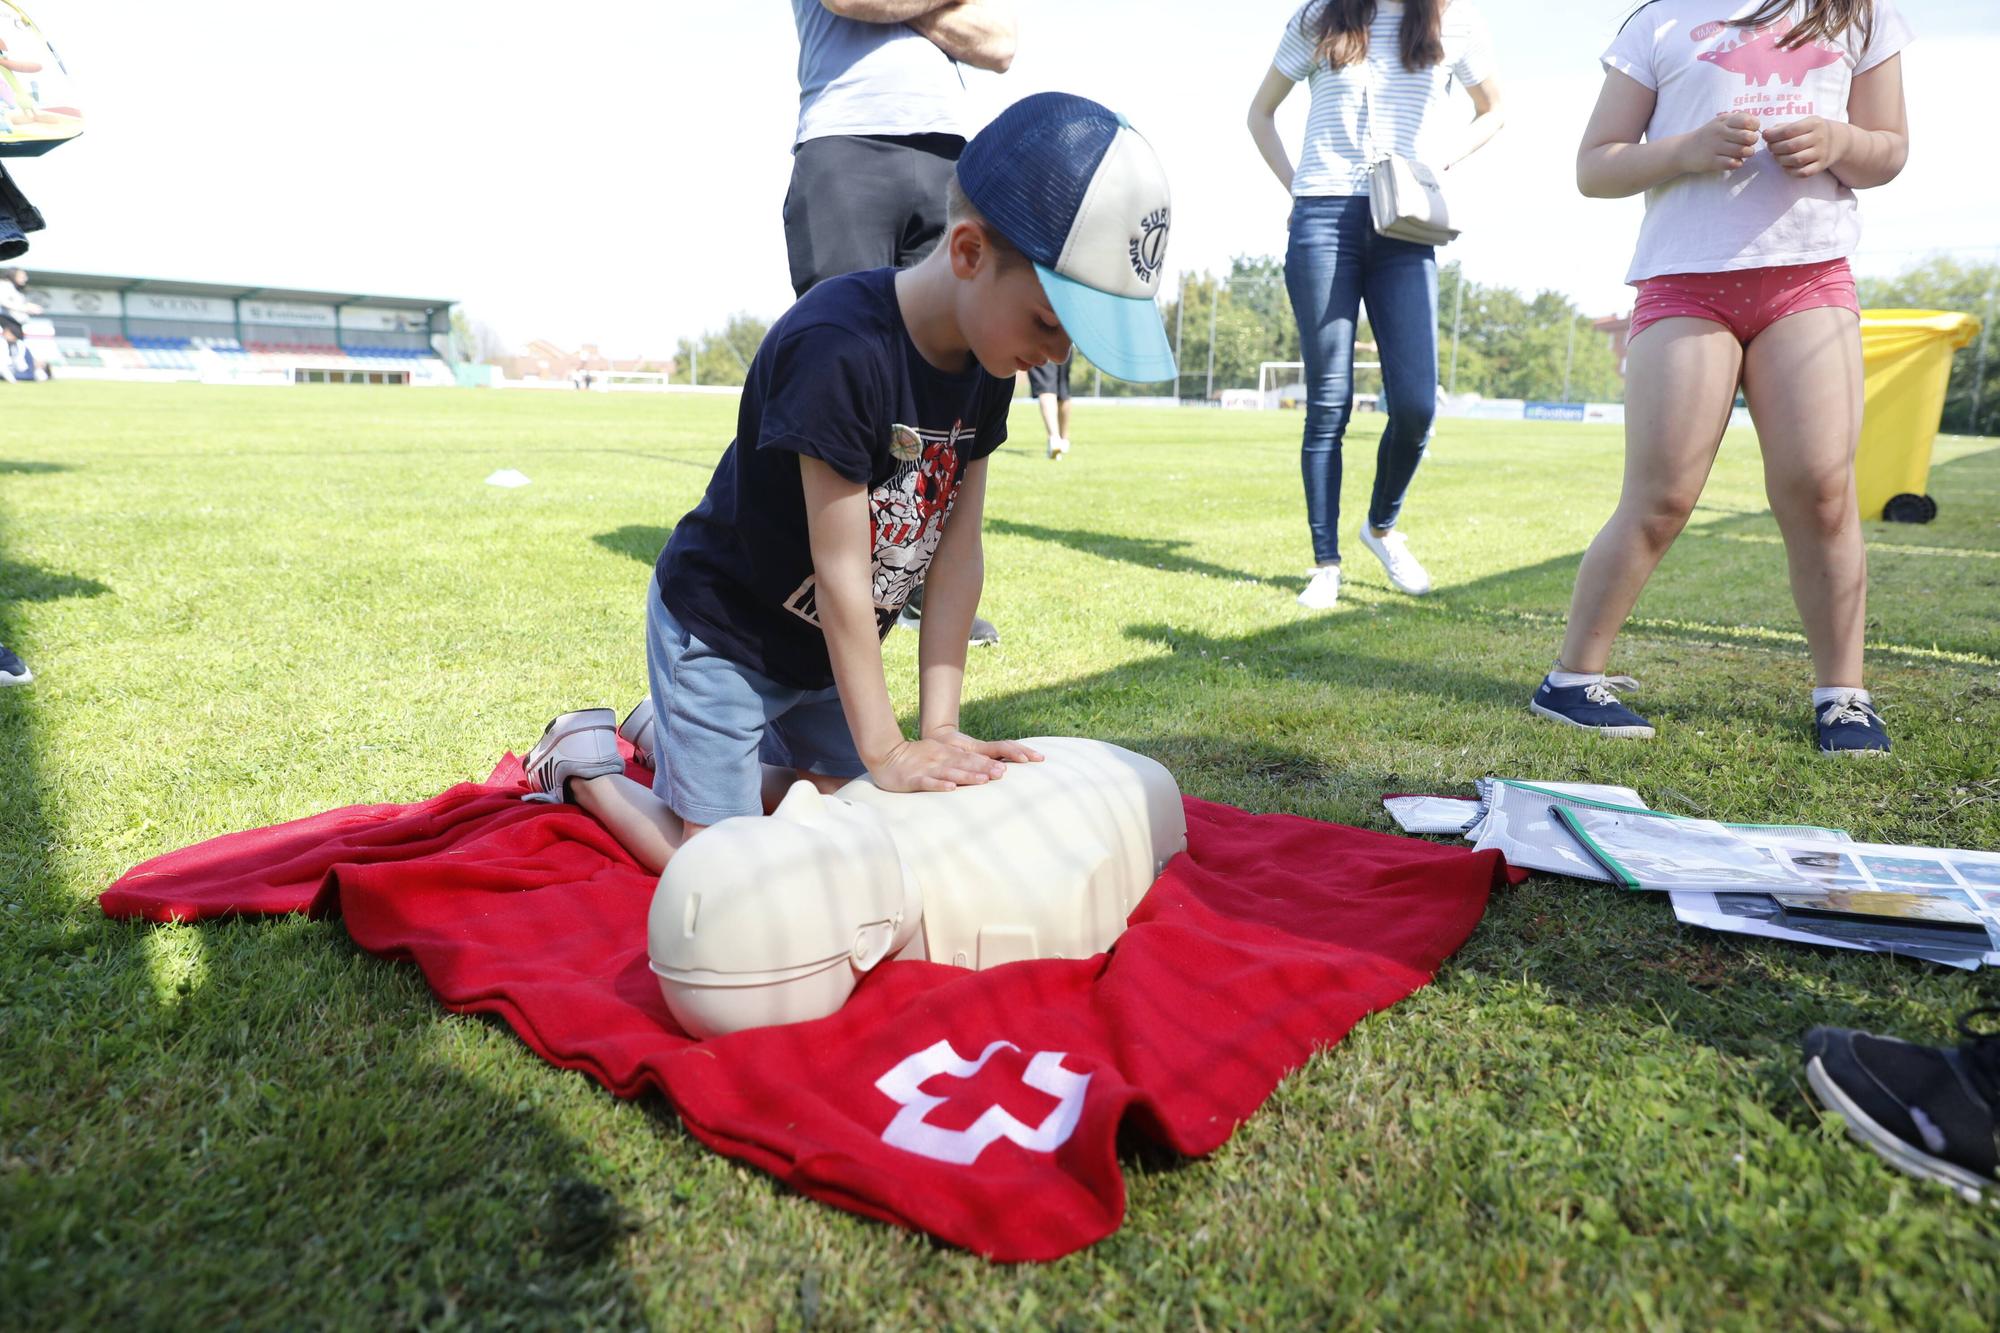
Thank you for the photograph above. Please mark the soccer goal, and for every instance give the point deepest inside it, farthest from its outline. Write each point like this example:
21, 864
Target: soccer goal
1283, 383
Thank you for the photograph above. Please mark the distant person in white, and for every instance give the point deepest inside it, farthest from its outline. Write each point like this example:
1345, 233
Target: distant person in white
881, 122
1380, 74
15, 310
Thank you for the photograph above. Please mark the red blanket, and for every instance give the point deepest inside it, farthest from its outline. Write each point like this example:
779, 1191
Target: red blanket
982, 1107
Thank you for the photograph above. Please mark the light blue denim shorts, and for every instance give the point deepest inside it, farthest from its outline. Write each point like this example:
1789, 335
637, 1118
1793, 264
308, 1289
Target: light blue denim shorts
716, 722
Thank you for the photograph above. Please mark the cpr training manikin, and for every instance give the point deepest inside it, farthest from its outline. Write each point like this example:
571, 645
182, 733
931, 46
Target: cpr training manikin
775, 919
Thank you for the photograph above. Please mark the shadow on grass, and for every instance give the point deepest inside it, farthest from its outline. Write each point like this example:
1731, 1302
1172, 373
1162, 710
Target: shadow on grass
28, 583
229, 1093
1932, 589
21, 467
1204, 706
1146, 552
641, 541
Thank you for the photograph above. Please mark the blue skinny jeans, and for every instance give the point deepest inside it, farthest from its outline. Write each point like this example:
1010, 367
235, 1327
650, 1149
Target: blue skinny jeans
1334, 262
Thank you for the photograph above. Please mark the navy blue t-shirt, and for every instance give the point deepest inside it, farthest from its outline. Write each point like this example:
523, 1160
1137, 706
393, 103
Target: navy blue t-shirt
837, 378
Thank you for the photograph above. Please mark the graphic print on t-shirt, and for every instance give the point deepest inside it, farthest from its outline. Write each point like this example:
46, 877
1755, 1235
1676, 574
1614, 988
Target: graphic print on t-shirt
906, 516
1767, 67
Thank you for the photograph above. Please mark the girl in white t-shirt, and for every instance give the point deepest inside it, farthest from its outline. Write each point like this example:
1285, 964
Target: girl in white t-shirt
1748, 124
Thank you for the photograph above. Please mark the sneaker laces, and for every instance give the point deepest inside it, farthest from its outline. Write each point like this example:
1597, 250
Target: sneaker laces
1605, 692
1848, 708
1397, 547
1979, 1054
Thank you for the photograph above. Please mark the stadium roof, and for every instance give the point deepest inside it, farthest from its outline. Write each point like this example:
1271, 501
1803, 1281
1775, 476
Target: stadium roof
45, 277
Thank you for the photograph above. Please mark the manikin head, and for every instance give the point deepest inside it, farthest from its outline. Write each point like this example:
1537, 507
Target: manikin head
774, 920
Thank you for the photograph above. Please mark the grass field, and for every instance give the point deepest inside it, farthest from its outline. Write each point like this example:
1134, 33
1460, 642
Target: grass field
245, 606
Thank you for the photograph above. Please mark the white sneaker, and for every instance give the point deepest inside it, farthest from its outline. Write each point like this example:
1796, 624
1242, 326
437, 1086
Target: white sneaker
1058, 446
1323, 591
637, 728
583, 744
1394, 553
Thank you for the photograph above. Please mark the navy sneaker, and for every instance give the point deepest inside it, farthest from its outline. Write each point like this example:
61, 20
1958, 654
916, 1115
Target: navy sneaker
1928, 1110
1594, 707
1848, 725
13, 671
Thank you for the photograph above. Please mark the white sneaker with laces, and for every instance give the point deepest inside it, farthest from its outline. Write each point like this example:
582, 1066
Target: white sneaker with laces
1324, 590
1058, 446
1393, 551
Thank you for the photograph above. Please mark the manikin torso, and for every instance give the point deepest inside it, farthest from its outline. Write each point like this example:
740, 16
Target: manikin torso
774, 919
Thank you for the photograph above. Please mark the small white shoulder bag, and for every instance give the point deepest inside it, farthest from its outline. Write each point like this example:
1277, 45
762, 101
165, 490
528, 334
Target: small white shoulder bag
1404, 196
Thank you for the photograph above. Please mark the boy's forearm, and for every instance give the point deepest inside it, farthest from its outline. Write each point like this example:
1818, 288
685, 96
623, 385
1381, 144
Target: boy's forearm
951, 598
1618, 170
856, 655
837, 530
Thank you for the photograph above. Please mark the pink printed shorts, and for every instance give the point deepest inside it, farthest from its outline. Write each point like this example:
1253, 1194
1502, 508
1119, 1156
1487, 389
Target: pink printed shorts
1746, 301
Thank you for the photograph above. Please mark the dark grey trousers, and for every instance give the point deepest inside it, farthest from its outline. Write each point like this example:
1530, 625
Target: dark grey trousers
864, 201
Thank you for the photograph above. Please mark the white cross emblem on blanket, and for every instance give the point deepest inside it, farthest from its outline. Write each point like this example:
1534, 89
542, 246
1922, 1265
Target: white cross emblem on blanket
911, 1132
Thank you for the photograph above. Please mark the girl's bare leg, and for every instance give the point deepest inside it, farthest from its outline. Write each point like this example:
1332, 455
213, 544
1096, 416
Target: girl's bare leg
1681, 377
1802, 376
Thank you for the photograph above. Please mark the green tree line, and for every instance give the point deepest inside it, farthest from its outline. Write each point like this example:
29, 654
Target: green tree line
1507, 346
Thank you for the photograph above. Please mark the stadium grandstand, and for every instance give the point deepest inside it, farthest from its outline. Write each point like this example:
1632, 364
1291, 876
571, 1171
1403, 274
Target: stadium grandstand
105, 327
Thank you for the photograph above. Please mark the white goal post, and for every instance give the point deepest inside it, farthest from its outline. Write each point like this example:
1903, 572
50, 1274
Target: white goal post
1283, 384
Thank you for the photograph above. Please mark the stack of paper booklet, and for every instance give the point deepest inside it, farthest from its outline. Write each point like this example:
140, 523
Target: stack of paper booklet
1779, 881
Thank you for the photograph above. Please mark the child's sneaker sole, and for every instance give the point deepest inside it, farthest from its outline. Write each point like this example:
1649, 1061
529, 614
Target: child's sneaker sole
1612, 733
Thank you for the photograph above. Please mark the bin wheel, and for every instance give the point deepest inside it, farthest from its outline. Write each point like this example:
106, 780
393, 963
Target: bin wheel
1907, 508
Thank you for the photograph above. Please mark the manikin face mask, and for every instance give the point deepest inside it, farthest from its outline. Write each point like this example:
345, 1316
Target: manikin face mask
772, 918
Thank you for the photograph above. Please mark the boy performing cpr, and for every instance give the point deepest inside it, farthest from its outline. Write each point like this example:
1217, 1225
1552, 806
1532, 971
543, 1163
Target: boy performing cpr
858, 472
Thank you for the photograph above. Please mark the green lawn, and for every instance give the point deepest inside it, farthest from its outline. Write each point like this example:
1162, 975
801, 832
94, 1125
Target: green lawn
247, 605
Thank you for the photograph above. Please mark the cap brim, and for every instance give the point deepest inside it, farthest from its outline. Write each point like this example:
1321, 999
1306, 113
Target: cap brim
1122, 335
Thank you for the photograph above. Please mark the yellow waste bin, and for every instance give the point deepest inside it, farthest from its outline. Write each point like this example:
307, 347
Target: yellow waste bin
1906, 362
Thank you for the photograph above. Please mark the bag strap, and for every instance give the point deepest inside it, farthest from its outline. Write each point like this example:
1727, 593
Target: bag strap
1369, 147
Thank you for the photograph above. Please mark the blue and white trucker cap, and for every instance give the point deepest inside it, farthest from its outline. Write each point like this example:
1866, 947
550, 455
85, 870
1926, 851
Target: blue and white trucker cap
1079, 192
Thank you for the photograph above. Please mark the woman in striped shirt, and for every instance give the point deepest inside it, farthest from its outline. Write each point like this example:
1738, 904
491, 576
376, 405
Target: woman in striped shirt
1379, 71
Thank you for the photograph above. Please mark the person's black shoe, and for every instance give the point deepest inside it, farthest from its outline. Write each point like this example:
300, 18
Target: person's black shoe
1927, 1110
13, 671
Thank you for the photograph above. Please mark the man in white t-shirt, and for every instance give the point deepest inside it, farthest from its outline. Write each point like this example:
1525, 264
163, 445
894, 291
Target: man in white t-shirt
881, 122
881, 125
